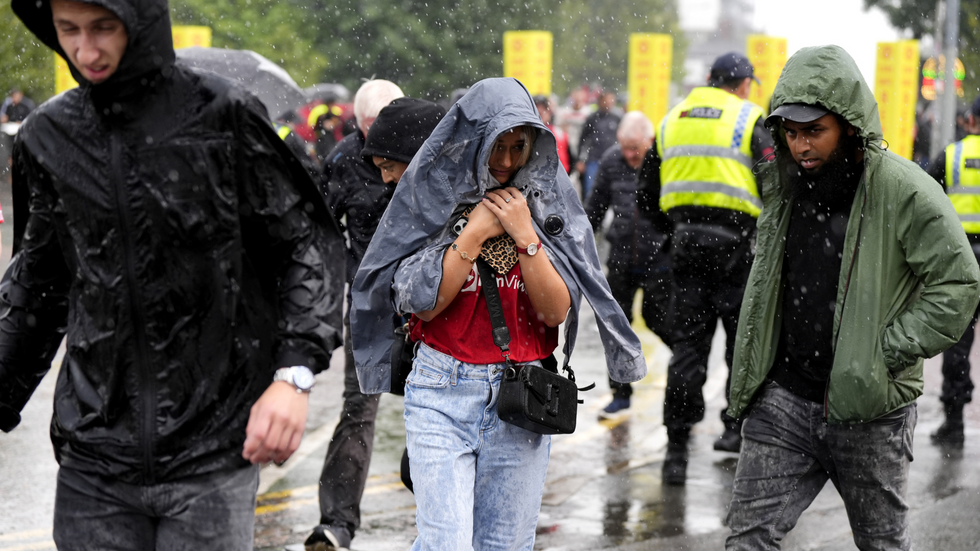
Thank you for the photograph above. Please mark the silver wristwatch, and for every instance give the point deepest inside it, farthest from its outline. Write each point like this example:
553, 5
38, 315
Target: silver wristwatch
299, 376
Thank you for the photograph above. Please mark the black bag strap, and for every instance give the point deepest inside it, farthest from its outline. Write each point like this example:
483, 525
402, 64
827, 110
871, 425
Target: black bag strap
501, 335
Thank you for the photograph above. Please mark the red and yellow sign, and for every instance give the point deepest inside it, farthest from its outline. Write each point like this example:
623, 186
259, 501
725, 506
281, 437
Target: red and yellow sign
650, 59
934, 77
768, 56
185, 36
528, 57
897, 91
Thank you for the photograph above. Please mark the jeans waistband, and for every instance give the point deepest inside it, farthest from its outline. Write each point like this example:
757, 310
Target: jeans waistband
439, 360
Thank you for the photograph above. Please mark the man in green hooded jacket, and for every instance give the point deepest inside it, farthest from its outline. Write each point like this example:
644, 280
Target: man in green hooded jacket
861, 271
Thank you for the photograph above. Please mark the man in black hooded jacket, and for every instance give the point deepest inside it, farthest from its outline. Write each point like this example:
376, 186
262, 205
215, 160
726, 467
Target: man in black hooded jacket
165, 228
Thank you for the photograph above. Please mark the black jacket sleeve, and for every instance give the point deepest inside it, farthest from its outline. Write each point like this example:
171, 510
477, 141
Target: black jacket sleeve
762, 145
648, 192
291, 234
33, 293
597, 203
937, 168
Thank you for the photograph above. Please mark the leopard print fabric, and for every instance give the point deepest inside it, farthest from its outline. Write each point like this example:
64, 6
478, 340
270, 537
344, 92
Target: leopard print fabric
499, 252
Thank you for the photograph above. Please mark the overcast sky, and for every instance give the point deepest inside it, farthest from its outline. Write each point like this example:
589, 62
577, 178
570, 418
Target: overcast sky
810, 23
817, 22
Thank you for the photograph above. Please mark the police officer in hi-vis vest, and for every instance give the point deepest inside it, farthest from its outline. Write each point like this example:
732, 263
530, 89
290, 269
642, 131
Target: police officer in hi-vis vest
957, 168
697, 186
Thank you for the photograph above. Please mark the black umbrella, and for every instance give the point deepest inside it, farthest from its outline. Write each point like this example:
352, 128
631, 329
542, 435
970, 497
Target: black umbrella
268, 81
327, 91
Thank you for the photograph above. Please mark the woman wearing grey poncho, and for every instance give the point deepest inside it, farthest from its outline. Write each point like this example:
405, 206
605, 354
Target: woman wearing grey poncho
464, 501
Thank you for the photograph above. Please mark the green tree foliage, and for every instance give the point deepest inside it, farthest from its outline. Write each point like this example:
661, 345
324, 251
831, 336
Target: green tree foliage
592, 40
919, 16
428, 47
278, 30
25, 63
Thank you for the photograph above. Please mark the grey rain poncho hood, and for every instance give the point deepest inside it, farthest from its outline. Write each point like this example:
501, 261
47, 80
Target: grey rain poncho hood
451, 171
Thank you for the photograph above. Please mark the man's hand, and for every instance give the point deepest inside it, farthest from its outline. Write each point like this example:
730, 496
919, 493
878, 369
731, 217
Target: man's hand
275, 424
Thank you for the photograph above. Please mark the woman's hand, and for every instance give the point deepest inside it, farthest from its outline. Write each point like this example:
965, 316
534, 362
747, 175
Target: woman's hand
546, 289
483, 224
510, 208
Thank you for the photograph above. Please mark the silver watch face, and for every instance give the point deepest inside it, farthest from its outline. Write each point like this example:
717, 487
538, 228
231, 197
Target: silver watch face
302, 378
532, 249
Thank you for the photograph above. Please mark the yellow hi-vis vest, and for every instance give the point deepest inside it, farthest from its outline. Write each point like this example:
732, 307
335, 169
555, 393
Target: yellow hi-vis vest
282, 130
963, 181
705, 147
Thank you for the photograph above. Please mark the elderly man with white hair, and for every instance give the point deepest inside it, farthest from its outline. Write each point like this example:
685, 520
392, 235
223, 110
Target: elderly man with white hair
358, 196
636, 260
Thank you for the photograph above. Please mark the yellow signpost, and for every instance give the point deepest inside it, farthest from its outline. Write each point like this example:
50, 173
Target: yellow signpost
896, 91
528, 57
768, 56
650, 59
185, 36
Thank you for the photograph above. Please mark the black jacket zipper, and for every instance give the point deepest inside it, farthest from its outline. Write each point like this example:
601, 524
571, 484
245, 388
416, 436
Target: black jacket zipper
148, 397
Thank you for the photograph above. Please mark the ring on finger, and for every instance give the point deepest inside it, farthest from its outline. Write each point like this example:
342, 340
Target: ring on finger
507, 200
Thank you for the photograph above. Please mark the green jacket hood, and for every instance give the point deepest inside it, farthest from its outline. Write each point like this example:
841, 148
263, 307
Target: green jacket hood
829, 77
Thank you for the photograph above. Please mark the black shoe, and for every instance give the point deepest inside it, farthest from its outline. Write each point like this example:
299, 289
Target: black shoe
328, 538
950, 434
675, 465
729, 441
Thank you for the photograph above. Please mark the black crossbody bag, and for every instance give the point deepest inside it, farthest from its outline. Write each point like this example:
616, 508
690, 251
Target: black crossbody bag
531, 397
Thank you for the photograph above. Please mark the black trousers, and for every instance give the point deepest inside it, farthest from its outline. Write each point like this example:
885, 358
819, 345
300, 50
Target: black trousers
710, 266
957, 386
345, 468
624, 281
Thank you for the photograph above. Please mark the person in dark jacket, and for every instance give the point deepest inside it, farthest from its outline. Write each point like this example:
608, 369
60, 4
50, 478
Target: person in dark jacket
636, 260
166, 231
598, 135
324, 119
15, 107
957, 168
358, 194
698, 179
297, 145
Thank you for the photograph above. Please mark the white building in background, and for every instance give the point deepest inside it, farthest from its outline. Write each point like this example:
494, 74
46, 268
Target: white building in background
712, 27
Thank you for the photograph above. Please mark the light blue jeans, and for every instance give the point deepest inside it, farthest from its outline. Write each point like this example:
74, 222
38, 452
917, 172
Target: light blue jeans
478, 480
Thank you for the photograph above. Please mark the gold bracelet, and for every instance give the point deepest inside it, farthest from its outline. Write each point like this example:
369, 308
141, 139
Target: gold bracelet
463, 255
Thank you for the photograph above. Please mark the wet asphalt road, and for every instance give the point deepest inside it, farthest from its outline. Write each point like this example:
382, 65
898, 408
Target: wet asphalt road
603, 489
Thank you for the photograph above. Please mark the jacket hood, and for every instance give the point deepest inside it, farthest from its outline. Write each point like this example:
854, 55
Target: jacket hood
451, 171
829, 77
149, 52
